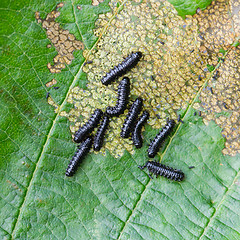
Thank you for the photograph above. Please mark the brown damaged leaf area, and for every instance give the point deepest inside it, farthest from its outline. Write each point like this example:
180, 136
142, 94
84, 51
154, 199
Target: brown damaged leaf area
51, 83
219, 25
167, 78
225, 99
52, 103
173, 70
235, 13
96, 2
64, 42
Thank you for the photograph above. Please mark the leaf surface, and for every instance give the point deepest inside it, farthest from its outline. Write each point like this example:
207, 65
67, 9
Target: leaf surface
109, 197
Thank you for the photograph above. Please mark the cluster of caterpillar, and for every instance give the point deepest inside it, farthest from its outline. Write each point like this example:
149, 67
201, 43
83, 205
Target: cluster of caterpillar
132, 126
83, 134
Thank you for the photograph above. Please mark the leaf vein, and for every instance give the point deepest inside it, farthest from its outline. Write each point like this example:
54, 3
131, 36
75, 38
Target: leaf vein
217, 208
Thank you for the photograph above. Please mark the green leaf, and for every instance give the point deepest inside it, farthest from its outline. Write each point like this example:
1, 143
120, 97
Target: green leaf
109, 197
210, 67
189, 7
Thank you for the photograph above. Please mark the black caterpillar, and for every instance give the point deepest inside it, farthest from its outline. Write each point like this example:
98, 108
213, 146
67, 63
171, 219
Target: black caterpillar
162, 170
131, 118
160, 137
88, 127
119, 70
123, 95
98, 139
136, 134
82, 151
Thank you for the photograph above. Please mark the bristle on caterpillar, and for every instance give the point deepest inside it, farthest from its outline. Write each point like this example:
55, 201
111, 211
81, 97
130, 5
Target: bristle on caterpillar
162, 170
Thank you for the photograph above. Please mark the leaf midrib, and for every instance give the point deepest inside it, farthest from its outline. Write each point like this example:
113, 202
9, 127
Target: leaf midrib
28, 190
